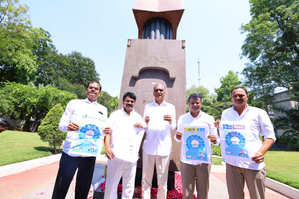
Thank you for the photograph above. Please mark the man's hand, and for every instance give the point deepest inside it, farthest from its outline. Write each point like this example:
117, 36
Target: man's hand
109, 154
147, 119
138, 125
213, 138
216, 123
73, 127
178, 135
107, 130
258, 157
168, 118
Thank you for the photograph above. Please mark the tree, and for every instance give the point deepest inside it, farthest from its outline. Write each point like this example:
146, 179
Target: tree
111, 103
48, 130
228, 83
272, 46
29, 102
18, 43
288, 121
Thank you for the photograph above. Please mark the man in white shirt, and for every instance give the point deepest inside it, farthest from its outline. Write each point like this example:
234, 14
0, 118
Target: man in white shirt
75, 112
160, 118
253, 172
125, 124
193, 169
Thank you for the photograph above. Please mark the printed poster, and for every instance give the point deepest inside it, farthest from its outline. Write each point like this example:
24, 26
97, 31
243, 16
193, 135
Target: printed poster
196, 142
89, 137
127, 145
233, 140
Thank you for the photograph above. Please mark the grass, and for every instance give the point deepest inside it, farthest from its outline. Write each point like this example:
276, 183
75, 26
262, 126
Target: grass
216, 160
18, 146
283, 166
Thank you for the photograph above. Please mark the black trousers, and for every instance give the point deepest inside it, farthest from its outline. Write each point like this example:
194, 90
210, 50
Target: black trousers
67, 168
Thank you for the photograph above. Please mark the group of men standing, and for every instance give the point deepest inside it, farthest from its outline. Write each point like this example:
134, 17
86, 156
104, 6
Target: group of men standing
155, 126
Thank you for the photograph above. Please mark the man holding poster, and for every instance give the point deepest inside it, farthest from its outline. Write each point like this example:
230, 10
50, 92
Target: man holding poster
242, 149
84, 122
122, 147
196, 130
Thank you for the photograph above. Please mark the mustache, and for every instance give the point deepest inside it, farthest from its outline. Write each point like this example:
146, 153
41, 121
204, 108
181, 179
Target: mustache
130, 105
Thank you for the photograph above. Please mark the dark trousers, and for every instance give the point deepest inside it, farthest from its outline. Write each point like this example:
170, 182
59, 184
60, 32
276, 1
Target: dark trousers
67, 168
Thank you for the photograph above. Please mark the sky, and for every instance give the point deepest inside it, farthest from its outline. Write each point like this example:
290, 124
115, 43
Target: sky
100, 29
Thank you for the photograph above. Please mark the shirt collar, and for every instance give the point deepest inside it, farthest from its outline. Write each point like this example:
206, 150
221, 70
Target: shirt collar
199, 115
163, 103
123, 110
89, 102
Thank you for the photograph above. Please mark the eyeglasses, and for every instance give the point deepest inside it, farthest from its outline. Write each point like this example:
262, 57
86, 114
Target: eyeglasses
157, 90
195, 103
240, 96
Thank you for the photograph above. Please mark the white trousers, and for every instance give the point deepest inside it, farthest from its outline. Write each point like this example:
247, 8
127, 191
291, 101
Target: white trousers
117, 168
162, 165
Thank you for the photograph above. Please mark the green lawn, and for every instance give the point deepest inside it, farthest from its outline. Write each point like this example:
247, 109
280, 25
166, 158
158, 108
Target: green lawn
17, 146
283, 166
216, 160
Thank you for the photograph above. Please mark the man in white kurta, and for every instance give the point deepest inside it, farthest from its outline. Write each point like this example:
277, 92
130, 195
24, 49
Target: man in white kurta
160, 119
252, 171
194, 170
122, 147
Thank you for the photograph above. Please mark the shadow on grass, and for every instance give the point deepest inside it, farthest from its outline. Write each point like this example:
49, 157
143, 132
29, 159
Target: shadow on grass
47, 149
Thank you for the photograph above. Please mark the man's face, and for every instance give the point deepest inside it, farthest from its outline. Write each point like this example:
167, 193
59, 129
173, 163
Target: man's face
128, 104
239, 97
195, 105
93, 91
159, 93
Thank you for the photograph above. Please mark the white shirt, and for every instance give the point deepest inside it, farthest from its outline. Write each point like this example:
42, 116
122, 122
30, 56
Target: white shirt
119, 120
259, 124
76, 110
158, 135
203, 119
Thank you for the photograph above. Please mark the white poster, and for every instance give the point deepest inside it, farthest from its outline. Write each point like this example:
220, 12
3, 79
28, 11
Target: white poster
128, 143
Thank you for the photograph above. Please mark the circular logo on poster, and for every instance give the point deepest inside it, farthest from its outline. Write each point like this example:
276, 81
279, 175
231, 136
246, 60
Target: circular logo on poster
195, 142
90, 131
235, 138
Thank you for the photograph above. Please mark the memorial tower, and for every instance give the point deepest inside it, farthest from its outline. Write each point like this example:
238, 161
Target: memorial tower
157, 57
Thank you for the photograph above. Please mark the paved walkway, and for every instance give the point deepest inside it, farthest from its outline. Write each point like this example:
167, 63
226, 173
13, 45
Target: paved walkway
38, 183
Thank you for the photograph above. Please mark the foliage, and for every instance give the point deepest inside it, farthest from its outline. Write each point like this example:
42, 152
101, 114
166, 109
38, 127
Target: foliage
48, 130
25, 102
228, 83
111, 103
70, 72
271, 45
20, 44
288, 121
216, 150
12, 141
286, 171
217, 160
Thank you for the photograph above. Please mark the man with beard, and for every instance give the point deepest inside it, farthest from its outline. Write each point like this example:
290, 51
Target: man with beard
76, 111
195, 170
160, 118
253, 172
125, 123
4, 125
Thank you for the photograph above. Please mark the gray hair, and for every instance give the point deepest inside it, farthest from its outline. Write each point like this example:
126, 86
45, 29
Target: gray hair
159, 84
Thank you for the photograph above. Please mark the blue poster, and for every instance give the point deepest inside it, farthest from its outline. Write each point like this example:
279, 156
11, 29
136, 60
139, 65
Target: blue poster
196, 143
88, 137
234, 136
